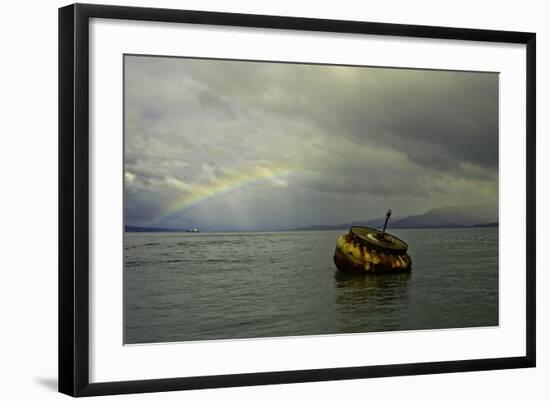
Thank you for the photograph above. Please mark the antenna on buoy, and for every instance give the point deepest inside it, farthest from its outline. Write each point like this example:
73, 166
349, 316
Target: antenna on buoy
388, 214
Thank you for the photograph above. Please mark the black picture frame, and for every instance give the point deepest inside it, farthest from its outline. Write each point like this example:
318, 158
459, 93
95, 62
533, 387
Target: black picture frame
74, 198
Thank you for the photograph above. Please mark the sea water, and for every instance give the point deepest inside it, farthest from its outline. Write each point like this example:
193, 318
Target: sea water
207, 286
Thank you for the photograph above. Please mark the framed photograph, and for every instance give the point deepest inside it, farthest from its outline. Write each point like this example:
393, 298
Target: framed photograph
252, 199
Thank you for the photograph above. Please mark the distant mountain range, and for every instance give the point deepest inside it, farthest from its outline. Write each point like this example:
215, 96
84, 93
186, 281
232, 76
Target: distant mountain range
444, 217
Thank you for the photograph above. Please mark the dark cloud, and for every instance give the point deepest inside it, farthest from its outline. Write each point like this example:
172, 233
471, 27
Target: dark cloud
211, 101
363, 136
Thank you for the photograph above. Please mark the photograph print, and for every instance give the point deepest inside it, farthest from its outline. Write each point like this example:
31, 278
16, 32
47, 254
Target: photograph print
270, 199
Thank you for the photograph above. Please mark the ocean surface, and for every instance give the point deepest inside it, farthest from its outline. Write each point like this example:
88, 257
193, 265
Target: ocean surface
205, 286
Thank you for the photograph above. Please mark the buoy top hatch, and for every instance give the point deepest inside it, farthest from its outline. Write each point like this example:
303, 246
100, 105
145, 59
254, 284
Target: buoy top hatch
380, 240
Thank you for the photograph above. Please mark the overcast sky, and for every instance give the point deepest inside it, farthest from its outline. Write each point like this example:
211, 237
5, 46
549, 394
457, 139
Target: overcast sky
233, 145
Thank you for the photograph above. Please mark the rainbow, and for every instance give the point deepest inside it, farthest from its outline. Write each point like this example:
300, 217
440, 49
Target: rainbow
201, 192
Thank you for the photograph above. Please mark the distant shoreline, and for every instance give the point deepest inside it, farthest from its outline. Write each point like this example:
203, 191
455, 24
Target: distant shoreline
138, 229
445, 217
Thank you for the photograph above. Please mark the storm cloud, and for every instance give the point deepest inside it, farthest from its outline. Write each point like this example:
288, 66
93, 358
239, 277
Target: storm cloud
237, 145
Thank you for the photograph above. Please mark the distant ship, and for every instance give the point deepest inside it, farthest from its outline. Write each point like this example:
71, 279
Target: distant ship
193, 230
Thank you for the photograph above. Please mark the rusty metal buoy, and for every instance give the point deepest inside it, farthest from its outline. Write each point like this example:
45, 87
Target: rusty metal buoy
368, 250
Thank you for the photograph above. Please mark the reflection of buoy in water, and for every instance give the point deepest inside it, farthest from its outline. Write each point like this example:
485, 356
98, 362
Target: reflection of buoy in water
368, 250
